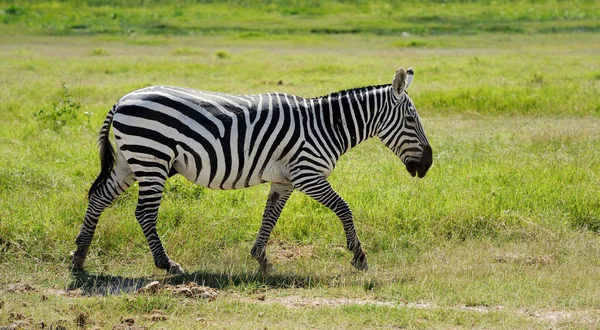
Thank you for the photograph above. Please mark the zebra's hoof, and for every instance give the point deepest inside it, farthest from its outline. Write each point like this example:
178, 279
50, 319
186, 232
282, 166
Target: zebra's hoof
77, 261
175, 269
266, 268
360, 262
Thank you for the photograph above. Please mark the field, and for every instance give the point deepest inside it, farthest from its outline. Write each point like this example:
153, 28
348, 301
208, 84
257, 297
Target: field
503, 232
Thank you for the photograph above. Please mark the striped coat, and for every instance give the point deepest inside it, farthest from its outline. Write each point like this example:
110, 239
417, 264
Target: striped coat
226, 141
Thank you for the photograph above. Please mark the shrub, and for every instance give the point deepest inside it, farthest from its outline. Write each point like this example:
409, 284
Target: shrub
63, 113
223, 54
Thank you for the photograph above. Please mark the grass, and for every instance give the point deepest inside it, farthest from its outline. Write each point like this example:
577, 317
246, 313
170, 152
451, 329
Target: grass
502, 233
239, 315
251, 19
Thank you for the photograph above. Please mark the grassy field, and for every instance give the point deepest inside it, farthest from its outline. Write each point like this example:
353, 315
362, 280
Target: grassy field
501, 233
255, 18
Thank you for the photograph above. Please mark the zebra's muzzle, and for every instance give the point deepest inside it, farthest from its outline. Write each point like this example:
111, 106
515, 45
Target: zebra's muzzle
420, 166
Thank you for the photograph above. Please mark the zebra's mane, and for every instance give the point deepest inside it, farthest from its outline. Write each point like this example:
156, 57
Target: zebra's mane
358, 90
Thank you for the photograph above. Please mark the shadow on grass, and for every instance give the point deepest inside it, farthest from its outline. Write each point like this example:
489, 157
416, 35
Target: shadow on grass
101, 284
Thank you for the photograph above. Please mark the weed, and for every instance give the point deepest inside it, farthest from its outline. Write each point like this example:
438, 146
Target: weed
99, 52
62, 113
14, 10
188, 51
222, 54
537, 79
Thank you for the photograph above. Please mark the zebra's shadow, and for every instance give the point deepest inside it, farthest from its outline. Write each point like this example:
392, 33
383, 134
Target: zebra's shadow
103, 284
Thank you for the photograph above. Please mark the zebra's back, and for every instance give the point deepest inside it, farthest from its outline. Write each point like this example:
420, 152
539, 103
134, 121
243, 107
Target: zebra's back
221, 141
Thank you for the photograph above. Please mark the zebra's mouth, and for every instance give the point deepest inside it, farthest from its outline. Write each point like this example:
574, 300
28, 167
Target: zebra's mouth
419, 167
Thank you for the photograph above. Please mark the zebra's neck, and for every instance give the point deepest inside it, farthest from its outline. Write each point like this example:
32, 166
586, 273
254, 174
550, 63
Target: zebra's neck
352, 116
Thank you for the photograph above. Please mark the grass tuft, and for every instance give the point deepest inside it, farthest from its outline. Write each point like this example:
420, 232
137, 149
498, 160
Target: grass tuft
99, 52
223, 54
188, 51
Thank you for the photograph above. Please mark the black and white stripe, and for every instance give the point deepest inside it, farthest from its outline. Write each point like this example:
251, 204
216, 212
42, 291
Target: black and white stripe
225, 141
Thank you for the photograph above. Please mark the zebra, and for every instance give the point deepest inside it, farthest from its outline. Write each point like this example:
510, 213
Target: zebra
228, 141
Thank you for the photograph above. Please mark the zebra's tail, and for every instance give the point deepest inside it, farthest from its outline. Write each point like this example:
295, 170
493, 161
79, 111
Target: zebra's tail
107, 152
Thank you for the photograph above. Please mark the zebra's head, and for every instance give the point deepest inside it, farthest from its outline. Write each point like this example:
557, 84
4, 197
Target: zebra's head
401, 130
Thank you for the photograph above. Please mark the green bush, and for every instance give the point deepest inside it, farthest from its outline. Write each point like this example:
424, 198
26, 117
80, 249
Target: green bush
60, 114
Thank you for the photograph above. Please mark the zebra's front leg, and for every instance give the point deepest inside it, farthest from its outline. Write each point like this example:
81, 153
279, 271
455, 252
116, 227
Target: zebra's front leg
319, 189
278, 196
151, 191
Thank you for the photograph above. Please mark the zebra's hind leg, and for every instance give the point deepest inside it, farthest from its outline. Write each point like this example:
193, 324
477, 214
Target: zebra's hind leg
150, 195
278, 196
119, 179
319, 189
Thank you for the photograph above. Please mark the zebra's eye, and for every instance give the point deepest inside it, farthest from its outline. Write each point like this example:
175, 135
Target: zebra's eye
409, 119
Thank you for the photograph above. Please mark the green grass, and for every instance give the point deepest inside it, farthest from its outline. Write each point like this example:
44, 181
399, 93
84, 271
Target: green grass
502, 232
251, 19
223, 313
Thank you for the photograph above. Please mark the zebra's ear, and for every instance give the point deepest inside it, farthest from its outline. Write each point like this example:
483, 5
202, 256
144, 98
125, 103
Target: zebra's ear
409, 78
399, 83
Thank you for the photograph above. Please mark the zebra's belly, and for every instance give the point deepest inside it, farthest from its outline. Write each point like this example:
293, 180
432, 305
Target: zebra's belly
225, 173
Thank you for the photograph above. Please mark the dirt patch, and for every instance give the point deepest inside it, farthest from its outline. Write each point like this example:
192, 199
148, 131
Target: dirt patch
128, 324
283, 252
588, 318
18, 321
77, 293
150, 288
319, 302
21, 288
190, 290
157, 315
17, 325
